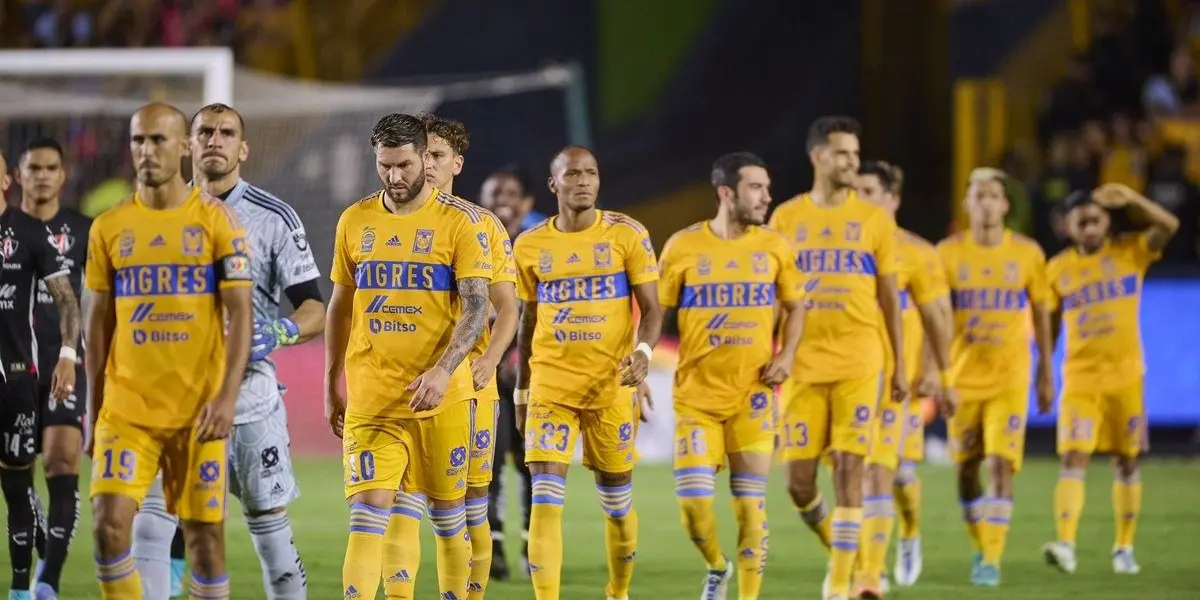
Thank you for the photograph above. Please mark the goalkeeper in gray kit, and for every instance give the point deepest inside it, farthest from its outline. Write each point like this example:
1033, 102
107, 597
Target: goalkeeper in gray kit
260, 470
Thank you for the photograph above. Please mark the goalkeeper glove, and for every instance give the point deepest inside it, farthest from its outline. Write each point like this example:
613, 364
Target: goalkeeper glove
269, 335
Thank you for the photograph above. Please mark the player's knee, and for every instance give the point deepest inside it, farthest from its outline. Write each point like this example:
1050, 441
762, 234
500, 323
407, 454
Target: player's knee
1126, 469
111, 528
906, 474
546, 468
259, 513
206, 546
802, 490
474, 492
1075, 461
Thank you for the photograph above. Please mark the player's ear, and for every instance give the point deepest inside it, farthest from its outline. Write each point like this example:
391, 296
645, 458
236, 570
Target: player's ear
243, 151
5, 182
550, 184
458, 164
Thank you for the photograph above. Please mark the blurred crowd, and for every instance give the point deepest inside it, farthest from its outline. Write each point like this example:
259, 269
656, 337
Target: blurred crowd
1126, 111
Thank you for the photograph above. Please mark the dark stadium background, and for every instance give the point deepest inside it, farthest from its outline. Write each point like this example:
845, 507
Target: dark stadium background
940, 87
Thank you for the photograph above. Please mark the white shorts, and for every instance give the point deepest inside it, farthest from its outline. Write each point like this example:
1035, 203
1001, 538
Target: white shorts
260, 464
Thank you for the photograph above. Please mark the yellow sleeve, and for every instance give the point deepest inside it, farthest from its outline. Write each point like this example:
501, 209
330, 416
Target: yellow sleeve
789, 283
342, 270
504, 268
527, 280
777, 221
99, 269
670, 275
1039, 286
230, 248
472, 251
886, 256
928, 283
640, 263
1053, 272
1142, 253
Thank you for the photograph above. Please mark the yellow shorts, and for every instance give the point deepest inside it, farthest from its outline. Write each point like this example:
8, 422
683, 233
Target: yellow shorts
608, 433
704, 440
127, 458
484, 414
912, 444
828, 416
1106, 423
992, 426
421, 456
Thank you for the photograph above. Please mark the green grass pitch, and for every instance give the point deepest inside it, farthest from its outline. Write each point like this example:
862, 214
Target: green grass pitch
669, 568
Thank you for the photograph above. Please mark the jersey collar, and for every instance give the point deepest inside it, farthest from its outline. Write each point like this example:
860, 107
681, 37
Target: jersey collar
239, 190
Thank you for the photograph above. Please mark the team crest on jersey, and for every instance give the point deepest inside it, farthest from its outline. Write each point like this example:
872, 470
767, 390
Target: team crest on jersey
239, 245
545, 262
1064, 281
964, 272
602, 255
802, 233
703, 265
483, 240
1012, 273
1107, 267
508, 247
853, 231
62, 241
126, 244
300, 240
759, 262
366, 241
647, 245
193, 241
423, 243
9, 243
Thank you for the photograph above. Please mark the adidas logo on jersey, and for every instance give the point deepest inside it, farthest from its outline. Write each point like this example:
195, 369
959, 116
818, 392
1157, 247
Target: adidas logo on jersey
574, 258
395, 241
157, 241
731, 264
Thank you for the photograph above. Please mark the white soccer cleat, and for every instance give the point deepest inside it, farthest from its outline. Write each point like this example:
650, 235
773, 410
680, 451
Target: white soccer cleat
827, 586
716, 583
1124, 563
1061, 556
909, 562
885, 585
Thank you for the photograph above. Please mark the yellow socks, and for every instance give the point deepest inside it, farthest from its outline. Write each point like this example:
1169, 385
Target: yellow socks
216, 588
816, 516
694, 491
1127, 506
402, 546
545, 536
364, 551
1068, 504
119, 579
908, 500
879, 516
453, 550
846, 527
994, 530
972, 512
750, 508
620, 536
481, 547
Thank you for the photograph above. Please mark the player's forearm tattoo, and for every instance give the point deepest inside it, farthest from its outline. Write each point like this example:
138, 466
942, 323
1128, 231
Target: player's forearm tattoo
68, 309
473, 292
525, 343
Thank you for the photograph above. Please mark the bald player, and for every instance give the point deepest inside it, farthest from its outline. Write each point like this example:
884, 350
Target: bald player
170, 277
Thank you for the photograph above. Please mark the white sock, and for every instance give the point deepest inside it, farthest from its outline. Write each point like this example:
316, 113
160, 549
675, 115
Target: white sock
153, 528
283, 572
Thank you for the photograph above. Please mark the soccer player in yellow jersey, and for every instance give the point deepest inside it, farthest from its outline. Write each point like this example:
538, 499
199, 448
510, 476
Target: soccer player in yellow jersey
448, 143
997, 278
924, 298
722, 278
847, 249
411, 268
579, 364
1098, 286
162, 269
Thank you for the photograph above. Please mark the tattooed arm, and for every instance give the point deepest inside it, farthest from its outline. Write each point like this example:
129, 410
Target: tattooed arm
429, 388
68, 309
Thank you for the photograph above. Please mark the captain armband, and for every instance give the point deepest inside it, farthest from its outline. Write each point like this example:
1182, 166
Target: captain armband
235, 267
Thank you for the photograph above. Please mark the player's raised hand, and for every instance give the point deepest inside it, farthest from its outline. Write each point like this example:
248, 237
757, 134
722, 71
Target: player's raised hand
335, 411
1045, 394
947, 400
216, 419
62, 381
899, 387
634, 368
428, 389
777, 371
483, 369
645, 401
1113, 195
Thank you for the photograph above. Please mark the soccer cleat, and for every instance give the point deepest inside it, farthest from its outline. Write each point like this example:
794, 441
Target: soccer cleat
43, 591
177, 567
19, 595
909, 562
1124, 563
986, 576
716, 583
976, 561
827, 585
1061, 556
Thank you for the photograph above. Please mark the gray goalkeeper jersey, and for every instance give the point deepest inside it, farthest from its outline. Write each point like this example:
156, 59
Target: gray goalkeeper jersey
281, 258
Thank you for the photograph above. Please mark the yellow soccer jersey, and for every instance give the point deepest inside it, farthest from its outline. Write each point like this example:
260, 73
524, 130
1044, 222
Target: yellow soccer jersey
1100, 295
922, 280
504, 269
404, 270
991, 289
164, 270
841, 250
582, 283
725, 291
